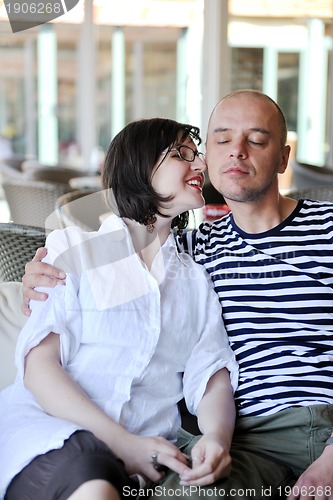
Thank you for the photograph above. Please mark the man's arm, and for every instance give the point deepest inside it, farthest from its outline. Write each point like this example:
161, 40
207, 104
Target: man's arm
216, 418
37, 274
316, 482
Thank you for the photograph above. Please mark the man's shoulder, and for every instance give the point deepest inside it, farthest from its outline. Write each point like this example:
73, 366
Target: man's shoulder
315, 210
311, 204
206, 235
213, 229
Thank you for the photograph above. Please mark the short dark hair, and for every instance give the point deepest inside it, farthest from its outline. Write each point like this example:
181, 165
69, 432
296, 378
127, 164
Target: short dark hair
131, 158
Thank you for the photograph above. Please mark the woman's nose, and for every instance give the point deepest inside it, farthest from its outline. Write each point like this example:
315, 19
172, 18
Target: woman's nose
199, 163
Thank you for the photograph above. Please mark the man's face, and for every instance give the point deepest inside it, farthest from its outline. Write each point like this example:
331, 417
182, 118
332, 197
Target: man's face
243, 149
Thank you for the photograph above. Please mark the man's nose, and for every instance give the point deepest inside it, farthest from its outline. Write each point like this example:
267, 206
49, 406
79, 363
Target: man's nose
238, 150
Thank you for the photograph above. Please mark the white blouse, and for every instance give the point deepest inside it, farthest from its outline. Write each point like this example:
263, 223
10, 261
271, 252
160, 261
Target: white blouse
135, 340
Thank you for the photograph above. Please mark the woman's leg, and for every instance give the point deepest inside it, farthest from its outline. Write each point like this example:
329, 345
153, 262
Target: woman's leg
60, 473
97, 489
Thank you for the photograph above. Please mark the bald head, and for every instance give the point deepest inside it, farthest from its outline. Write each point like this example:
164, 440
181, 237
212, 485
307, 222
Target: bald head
252, 95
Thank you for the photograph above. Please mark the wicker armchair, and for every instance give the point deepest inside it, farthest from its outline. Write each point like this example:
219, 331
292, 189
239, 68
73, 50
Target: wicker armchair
83, 208
18, 245
31, 202
12, 167
321, 193
305, 175
58, 173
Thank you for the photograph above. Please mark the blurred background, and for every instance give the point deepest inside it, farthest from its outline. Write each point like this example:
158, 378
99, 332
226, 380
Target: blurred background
67, 87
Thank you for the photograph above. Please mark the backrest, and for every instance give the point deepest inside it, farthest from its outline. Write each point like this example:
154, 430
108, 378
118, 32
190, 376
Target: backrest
305, 175
12, 321
12, 167
321, 193
54, 174
82, 208
31, 202
18, 244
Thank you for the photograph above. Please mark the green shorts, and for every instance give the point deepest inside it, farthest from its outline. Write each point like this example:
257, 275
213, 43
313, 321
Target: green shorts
268, 455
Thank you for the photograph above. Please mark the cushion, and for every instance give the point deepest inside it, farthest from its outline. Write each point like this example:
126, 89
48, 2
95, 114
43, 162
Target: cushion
12, 320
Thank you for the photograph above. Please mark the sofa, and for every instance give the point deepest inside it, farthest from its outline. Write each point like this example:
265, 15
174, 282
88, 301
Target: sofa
12, 320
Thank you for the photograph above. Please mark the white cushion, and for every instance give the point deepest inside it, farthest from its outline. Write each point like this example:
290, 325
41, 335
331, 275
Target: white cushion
12, 320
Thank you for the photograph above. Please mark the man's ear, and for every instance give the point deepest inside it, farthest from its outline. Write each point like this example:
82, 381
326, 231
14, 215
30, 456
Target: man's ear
284, 158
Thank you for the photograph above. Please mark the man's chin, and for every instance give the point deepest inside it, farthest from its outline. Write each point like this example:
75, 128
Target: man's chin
239, 196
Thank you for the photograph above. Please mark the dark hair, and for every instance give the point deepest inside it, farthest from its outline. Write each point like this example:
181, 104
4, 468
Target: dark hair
129, 164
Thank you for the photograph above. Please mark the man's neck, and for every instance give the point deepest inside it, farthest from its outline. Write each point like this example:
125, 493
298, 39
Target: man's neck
261, 216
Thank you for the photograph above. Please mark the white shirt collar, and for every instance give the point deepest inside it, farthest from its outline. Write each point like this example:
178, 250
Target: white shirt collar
114, 223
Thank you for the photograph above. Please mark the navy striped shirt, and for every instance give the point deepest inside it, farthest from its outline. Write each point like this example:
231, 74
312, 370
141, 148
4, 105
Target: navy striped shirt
276, 292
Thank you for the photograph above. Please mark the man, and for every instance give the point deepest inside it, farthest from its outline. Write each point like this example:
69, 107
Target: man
271, 263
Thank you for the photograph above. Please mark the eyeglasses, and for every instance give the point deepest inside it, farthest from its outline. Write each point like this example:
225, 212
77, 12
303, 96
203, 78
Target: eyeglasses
186, 153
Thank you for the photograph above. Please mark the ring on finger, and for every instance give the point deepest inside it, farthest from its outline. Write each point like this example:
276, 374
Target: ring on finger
157, 466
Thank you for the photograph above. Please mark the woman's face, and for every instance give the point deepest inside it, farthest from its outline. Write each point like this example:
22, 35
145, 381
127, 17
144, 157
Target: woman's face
180, 178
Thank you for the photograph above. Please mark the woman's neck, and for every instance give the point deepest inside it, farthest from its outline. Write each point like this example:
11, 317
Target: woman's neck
147, 244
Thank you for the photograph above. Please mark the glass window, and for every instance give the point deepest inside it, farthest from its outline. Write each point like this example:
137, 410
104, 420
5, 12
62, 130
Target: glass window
67, 71
329, 113
246, 68
12, 121
150, 76
287, 89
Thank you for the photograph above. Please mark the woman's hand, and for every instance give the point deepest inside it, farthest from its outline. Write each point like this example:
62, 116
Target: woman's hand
39, 273
137, 453
59, 395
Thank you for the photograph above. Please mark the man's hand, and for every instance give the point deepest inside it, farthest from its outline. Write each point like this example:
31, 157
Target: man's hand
317, 481
39, 273
210, 461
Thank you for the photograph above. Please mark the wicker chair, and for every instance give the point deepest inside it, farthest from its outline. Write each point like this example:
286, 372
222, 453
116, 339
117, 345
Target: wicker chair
321, 193
12, 167
31, 202
83, 208
305, 175
58, 173
18, 245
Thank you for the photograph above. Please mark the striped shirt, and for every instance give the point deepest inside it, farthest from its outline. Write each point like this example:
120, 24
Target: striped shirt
276, 293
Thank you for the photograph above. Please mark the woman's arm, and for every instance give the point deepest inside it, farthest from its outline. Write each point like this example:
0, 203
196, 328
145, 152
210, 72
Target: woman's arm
59, 395
39, 273
216, 419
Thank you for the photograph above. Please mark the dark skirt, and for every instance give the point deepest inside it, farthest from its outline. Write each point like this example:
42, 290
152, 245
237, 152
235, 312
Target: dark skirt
58, 473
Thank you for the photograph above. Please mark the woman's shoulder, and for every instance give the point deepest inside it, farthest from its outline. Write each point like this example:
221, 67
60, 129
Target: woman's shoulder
66, 235
65, 246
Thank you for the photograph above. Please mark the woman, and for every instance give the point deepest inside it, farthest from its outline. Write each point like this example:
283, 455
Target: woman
104, 361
